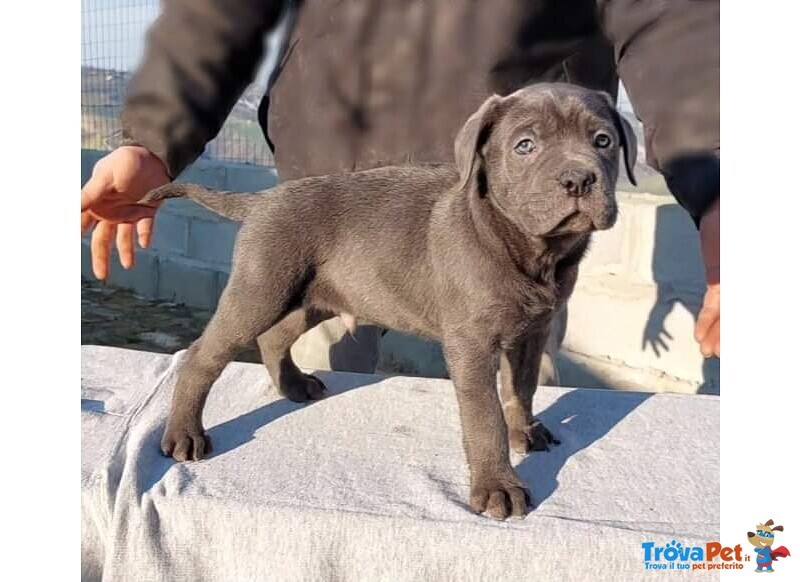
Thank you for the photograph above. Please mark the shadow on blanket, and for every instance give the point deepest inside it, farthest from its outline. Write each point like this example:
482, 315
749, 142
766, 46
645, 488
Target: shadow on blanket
578, 419
237, 431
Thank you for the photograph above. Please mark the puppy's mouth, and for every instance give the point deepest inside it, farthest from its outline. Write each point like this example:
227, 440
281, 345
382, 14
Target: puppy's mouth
583, 217
574, 222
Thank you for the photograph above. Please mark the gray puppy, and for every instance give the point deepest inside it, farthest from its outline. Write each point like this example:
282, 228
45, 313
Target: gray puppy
479, 255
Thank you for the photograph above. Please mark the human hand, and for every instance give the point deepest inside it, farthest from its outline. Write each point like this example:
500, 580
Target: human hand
706, 331
109, 202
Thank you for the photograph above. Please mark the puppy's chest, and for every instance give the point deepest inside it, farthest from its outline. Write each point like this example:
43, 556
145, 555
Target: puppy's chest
534, 305
548, 281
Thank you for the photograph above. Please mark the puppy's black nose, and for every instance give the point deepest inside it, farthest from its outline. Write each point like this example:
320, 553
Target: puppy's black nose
577, 182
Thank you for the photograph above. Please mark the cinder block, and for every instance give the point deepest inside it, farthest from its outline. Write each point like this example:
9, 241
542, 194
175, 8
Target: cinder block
212, 241
607, 250
88, 159
185, 281
141, 279
644, 328
189, 209
410, 355
222, 281
204, 172
676, 255
654, 240
86, 260
597, 372
170, 234
248, 178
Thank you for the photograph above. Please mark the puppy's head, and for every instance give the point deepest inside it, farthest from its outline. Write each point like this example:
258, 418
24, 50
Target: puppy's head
547, 156
764, 536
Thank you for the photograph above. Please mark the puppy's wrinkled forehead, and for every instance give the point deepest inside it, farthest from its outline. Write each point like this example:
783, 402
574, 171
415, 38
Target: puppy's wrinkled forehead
557, 110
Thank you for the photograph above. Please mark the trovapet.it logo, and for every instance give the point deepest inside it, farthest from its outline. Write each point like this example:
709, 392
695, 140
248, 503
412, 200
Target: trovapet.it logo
675, 555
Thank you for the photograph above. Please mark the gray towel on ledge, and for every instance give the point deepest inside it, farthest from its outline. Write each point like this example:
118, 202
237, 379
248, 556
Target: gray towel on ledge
371, 483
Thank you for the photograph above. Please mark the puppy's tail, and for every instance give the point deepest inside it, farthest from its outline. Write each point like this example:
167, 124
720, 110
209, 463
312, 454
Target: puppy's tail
233, 205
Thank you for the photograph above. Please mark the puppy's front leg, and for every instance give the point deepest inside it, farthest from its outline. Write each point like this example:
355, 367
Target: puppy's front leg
494, 486
519, 373
246, 310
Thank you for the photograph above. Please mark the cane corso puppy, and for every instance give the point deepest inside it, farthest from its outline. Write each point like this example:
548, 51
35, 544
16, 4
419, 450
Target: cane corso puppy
479, 254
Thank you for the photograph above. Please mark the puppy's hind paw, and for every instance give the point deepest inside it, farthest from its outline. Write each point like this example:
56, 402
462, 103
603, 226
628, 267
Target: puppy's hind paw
533, 437
303, 389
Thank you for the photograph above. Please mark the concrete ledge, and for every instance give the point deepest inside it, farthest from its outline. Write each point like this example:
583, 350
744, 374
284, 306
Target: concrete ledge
409, 355
653, 241
636, 324
606, 372
632, 315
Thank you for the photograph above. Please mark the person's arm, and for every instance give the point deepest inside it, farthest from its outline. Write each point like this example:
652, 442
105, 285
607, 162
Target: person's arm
667, 56
200, 57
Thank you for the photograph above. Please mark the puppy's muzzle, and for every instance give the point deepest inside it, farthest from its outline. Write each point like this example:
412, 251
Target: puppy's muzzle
577, 182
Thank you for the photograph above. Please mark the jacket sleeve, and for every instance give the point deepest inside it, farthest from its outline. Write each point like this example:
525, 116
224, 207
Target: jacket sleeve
200, 57
667, 56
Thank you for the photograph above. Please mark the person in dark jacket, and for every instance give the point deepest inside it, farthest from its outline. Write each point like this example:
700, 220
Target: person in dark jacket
365, 83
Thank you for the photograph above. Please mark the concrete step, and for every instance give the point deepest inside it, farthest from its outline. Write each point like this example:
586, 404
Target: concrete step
653, 241
631, 318
636, 336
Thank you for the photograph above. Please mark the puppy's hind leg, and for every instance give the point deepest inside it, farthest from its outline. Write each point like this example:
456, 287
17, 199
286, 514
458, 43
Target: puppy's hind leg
519, 373
275, 346
244, 312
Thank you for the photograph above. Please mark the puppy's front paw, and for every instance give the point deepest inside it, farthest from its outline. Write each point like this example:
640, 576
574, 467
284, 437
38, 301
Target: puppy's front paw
185, 442
533, 437
500, 497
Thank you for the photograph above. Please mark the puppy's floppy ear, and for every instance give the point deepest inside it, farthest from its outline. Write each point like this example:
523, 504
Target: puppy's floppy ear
472, 137
626, 135
629, 146
777, 528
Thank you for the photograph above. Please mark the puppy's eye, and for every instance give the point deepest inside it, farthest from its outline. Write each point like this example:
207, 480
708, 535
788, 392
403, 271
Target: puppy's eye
524, 147
602, 140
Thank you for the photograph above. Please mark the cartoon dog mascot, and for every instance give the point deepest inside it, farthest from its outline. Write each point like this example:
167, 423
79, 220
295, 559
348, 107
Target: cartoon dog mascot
763, 540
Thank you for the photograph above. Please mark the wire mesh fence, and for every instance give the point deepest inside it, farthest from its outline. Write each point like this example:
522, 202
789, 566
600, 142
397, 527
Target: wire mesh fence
112, 43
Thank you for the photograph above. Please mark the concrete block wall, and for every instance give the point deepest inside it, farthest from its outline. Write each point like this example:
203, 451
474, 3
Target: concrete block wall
632, 315
189, 258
